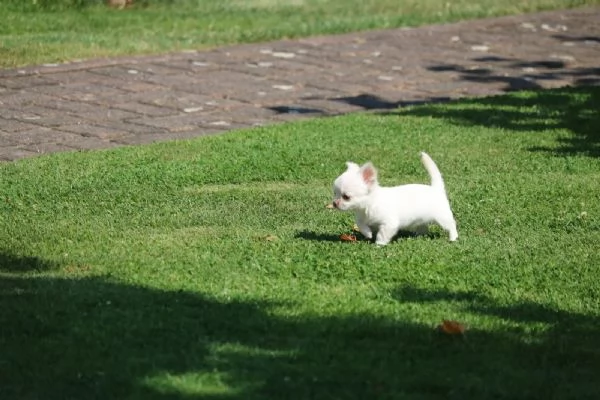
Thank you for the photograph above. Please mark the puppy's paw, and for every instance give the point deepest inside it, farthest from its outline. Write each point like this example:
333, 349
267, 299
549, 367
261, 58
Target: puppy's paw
366, 234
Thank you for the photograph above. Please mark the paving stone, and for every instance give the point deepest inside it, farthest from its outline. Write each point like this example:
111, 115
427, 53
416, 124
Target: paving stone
130, 127
144, 109
14, 126
122, 72
154, 69
82, 91
21, 99
191, 122
186, 102
101, 114
85, 76
42, 116
91, 143
140, 87
7, 139
92, 130
17, 82
11, 153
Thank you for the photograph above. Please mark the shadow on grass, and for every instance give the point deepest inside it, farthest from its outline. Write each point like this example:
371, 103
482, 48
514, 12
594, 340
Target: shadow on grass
326, 237
95, 338
14, 263
573, 109
319, 237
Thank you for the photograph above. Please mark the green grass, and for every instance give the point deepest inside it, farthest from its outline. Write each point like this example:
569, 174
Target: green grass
43, 31
211, 269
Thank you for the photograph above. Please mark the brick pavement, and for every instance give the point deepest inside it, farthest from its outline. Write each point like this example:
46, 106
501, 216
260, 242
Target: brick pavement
134, 100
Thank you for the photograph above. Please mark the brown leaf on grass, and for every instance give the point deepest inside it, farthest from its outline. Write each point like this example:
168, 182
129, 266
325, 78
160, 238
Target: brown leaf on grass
271, 238
329, 205
77, 268
347, 237
120, 4
452, 327
355, 228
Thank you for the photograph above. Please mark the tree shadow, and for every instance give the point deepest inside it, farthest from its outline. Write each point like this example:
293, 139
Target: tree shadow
575, 109
498, 72
95, 338
91, 337
508, 74
568, 347
516, 74
531, 75
372, 102
14, 263
571, 38
285, 109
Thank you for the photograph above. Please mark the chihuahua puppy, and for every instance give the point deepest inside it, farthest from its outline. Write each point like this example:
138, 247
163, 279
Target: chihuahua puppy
387, 210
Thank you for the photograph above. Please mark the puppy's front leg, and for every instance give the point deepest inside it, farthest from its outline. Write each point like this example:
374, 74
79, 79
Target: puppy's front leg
363, 227
385, 234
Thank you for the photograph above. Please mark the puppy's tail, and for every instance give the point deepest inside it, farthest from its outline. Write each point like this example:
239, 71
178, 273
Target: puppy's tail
434, 173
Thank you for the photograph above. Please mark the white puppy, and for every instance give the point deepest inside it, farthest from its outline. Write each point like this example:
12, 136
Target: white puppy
387, 210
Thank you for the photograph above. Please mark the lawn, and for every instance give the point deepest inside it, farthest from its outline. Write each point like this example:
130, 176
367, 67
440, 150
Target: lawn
211, 268
47, 31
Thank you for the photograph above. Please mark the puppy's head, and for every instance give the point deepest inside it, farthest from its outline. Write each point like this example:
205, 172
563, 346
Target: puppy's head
352, 188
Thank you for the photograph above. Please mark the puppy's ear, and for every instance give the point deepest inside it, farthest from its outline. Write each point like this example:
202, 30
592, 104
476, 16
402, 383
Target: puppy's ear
352, 166
368, 173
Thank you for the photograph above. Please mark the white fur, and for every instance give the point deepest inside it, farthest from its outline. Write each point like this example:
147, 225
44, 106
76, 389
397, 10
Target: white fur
386, 210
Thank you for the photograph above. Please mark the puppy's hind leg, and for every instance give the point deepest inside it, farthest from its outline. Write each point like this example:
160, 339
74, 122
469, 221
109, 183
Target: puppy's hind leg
448, 223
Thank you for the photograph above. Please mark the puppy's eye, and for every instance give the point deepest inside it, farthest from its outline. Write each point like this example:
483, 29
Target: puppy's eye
345, 197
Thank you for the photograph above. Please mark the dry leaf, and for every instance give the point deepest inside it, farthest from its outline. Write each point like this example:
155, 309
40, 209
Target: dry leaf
77, 268
347, 237
271, 238
355, 228
452, 327
329, 205
120, 4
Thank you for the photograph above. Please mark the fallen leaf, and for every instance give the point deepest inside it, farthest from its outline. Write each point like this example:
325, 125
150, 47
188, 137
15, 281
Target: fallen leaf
120, 4
347, 237
355, 228
77, 268
271, 238
329, 205
452, 327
